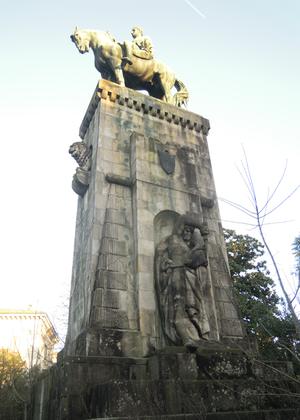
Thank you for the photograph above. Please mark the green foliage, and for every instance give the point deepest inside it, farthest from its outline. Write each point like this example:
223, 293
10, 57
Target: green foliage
260, 306
13, 385
296, 252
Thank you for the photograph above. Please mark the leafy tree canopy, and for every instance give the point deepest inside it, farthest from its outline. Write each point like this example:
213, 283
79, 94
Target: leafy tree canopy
11, 366
260, 306
296, 252
13, 385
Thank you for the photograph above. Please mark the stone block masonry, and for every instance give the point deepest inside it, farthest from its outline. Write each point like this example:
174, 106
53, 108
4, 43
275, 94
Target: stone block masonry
144, 169
149, 163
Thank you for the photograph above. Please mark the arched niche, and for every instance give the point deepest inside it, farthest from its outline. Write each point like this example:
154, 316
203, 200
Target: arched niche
163, 224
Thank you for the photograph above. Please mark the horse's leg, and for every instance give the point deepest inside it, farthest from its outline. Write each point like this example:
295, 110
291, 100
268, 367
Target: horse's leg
119, 75
116, 65
112, 54
167, 83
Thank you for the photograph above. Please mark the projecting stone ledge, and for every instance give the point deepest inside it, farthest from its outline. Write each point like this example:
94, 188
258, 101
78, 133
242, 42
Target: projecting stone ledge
111, 92
288, 414
240, 415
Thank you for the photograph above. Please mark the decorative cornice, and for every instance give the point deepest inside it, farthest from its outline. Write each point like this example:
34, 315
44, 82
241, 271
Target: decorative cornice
22, 312
13, 315
147, 105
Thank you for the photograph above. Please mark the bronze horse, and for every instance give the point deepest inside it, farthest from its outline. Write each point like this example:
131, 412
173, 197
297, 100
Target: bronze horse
150, 75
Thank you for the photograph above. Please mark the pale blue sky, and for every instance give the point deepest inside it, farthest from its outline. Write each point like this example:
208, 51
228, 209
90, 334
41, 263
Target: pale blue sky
241, 64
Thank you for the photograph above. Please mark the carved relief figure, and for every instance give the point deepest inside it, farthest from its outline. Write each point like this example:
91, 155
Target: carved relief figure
177, 261
140, 47
137, 70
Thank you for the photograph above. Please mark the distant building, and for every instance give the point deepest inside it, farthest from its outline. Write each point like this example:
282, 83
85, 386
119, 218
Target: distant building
31, 334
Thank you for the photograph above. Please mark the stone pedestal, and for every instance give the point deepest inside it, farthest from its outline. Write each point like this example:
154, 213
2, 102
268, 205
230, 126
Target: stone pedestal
150, 163
142, 164
212, 383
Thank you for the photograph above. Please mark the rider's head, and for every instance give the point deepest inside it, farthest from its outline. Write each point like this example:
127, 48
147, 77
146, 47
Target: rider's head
136, 31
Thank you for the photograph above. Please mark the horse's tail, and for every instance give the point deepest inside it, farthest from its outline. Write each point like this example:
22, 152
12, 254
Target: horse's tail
181, 97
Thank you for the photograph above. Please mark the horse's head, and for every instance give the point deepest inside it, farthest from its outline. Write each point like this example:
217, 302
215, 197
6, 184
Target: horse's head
81, 39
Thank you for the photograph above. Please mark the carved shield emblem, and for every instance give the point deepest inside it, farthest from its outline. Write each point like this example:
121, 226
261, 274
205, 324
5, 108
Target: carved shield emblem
167, 161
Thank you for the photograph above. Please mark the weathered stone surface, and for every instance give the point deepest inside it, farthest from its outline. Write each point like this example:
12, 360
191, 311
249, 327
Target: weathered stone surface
287, 414
166, 385
82, 154
137, 398
117, 361
110, 342
109, 318
129, 208
112, 280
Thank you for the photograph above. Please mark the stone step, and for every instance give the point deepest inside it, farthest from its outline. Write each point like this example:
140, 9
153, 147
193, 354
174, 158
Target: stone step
288, 414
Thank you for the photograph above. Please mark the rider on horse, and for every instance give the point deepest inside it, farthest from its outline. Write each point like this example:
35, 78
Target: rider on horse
116, 63
140, 47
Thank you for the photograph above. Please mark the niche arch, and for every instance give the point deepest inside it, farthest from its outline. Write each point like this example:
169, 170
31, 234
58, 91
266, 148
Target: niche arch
164, 223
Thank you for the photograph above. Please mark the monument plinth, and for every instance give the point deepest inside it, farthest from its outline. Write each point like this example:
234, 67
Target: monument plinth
153, 329
149, 166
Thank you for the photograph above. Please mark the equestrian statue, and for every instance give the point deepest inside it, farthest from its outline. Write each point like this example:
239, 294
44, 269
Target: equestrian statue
131, 64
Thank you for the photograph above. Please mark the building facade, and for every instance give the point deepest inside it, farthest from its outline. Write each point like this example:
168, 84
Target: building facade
29, 333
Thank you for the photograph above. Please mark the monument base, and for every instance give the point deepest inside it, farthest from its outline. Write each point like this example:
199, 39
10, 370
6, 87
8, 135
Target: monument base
239, 415
209, 384
144, 166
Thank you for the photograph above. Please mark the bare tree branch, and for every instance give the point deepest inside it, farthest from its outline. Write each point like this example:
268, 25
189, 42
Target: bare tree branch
276, 188
297, 290
284, 200
239, 207
260, 214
